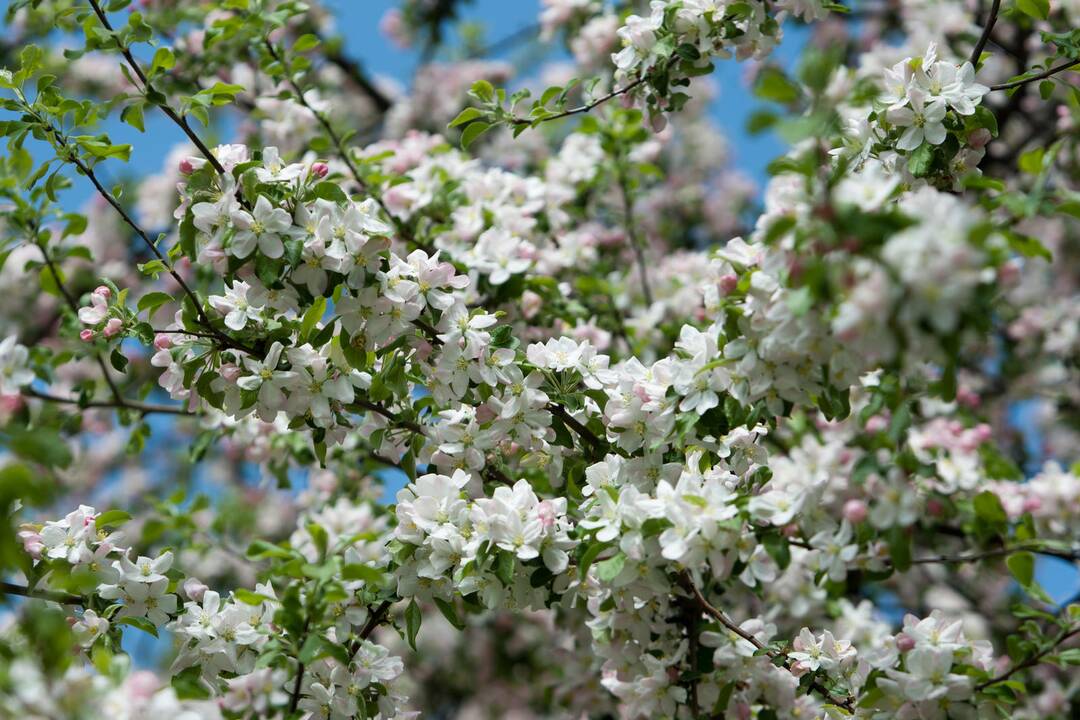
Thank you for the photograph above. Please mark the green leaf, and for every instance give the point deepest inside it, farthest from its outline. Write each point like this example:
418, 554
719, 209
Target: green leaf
110, 518
1038, 9
412, 623
250, 598
1022, 566
472, 132
150, 302
504, 567
587, 558
449, 612
921, 159
776, 86
163, 60
899, 541
262, 549
356, 571
305, 42
483, 90
139, 622
1032, 161
47, 280
41, 445
608, 570
330, 191
988, 508
466, 116
311, 317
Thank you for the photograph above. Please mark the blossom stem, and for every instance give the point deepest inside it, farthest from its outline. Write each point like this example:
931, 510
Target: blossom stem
998, 552
70, 155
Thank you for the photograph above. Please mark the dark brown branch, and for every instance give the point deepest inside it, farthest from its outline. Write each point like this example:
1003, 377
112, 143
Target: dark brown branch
1031, 661
7, 588
632, 234
587, 107
688, 584
1041, 76
144, 408
180, 121
339, 145
74, 305
991, 20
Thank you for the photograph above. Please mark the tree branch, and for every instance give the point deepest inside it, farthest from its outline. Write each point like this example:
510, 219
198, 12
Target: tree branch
144, 408
1031, 661
991, 20
180, 121
7, 588
339, 145
587, 107
688, 584
1041, 76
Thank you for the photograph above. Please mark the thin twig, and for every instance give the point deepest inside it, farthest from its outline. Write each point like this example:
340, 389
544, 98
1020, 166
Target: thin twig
985, 37
339, 145
180, 121
74, 305
141, 407
587, 107
636, 241
1041, 76
1031, 661
688, 584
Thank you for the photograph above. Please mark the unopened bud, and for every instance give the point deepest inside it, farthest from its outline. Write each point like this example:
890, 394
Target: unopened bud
113, 327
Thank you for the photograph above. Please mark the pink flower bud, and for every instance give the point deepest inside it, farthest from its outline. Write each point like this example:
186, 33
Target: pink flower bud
967, 397
320, 169
1032, 504
855, 511
32, 543
934, 507
103, 291
728, 283
113, 326
876, 423
1009, 273
194, 589
230, 372
186, 168
163, 341
530, 304
546, 512
979, 138
484, 413
86, 335
904, 643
